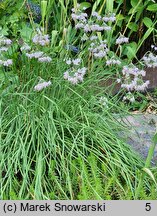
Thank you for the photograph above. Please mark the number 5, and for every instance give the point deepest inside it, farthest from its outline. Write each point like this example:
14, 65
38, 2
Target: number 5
148, 207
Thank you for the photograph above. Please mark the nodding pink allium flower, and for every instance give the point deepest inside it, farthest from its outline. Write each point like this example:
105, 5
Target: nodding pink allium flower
96, 27
113, 62
40, 39
104, 101
73, 61
73, 80
76, 75
107, 28
45, 59
4, 49
128, 70
119, 80
68, 62
79, 17
25, 47
150, 60
66, 75
95, 14
42, 85
7, 62
129, 97
98, 49
76, 61
154, 47
79, 26
110, 18
93, 37
36, 55
132, 80
122, 40
81, 71
5, 41
87, 28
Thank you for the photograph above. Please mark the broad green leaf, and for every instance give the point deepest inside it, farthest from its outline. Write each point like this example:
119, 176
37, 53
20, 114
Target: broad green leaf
133, 26
134, 3
152, 7
85, 4
148, 22
120, 17
26, 33
131, 50
4, 31
140, 11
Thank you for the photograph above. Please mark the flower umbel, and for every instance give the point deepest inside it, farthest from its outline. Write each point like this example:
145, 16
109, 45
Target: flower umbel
40, 86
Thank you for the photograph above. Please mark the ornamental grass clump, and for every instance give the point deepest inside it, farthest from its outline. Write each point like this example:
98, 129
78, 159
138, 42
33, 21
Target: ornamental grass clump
60, 140
45, 132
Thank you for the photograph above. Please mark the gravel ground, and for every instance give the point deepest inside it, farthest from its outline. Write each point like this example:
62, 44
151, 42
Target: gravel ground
142, 128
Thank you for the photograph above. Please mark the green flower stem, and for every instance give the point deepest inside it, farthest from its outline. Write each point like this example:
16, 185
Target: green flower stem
147, 165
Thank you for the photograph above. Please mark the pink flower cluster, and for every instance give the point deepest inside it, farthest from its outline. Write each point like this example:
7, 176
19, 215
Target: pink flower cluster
25, 47
122, 40
5, 43
40, 39
4, 49
41, 85
129, 97
7, 62
150, 60
36, 55
154, 47
75, 74
104, 101
113, 62
132, 79
40, 56
73, 61
109, 18
98, 48
82, 21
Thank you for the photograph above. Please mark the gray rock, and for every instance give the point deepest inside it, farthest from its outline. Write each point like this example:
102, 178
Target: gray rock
140, 129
